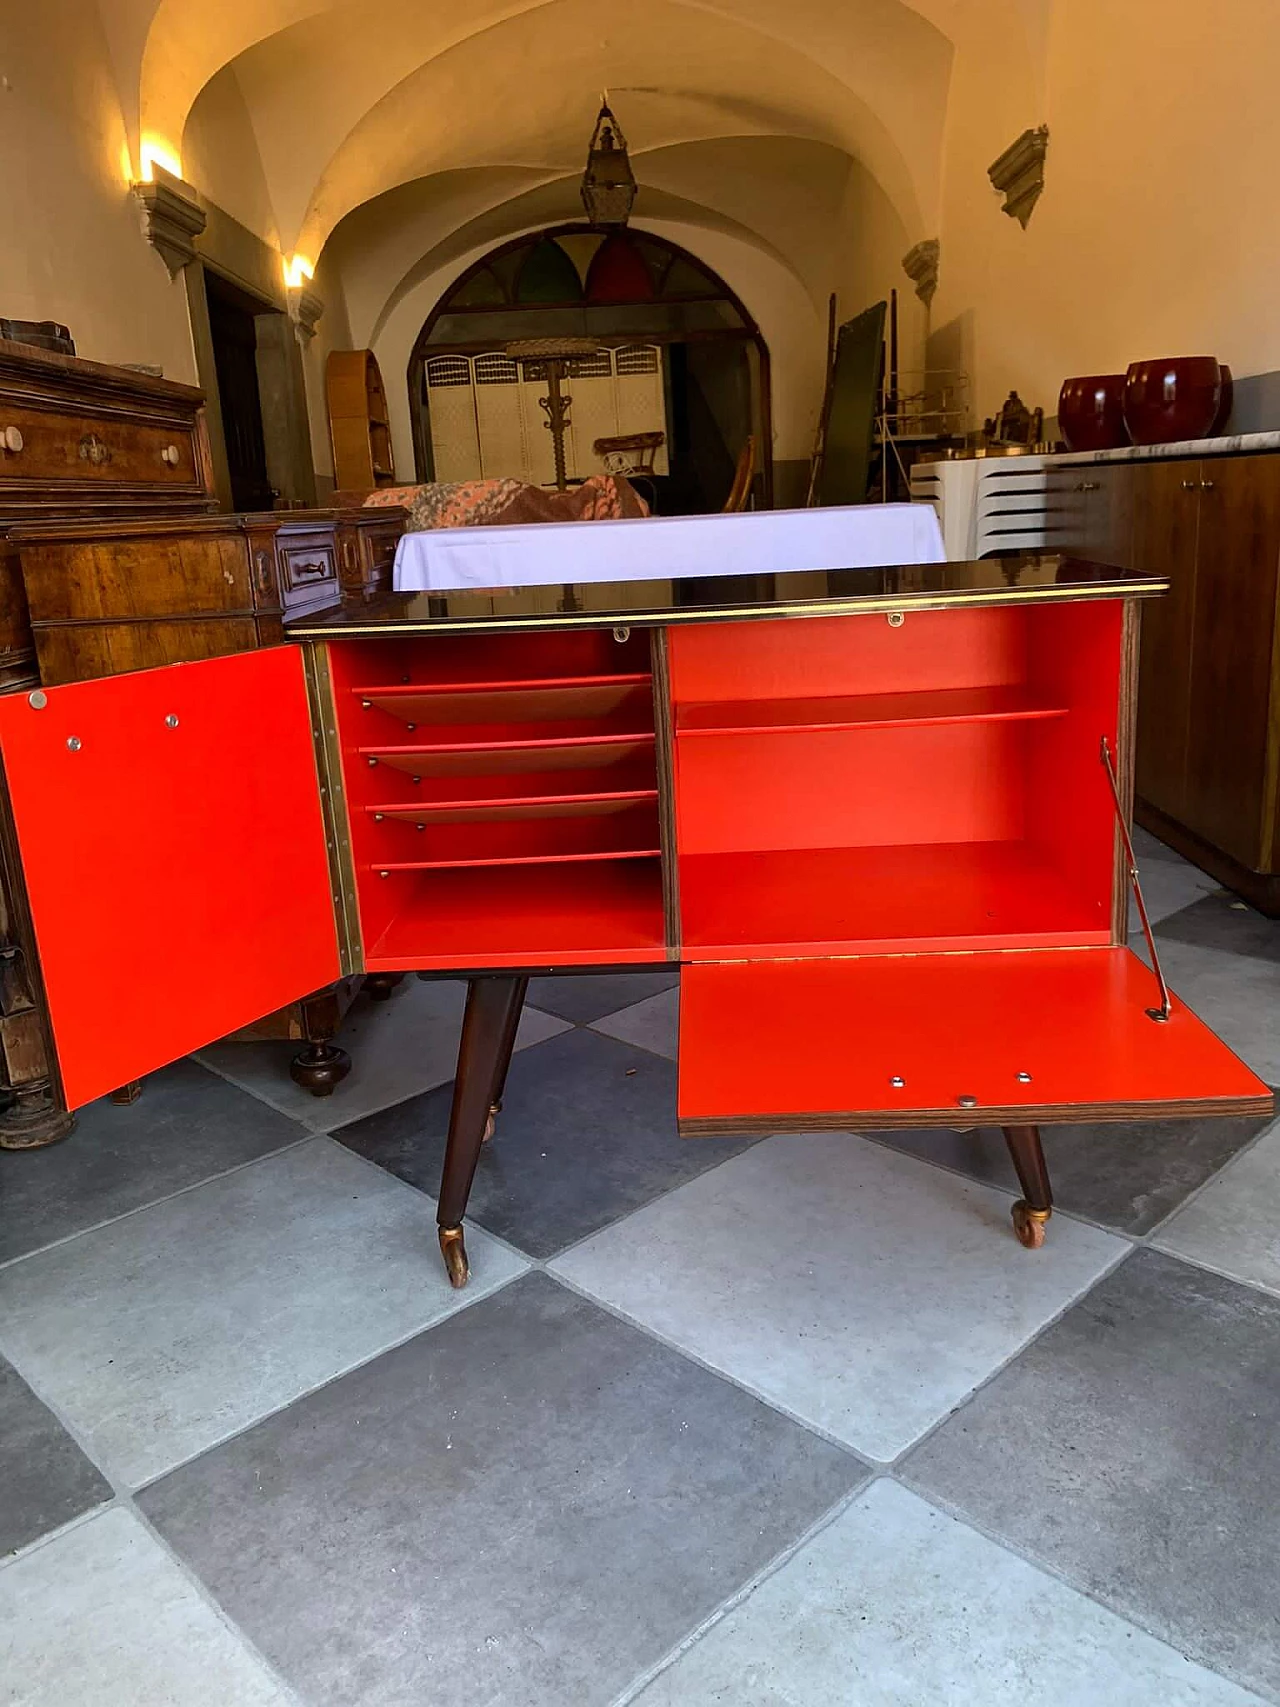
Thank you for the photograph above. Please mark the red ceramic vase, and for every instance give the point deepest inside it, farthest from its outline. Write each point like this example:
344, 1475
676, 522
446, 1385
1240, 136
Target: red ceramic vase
1178, 397
1091, 412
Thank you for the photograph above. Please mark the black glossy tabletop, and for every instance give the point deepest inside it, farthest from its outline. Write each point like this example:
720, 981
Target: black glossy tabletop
1031, 578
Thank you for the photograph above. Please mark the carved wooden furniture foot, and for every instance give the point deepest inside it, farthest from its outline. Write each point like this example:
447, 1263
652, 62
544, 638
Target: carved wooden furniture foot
379, 985
319, 1067
128, 1093
1032, 1210
484, 1053
33, 1119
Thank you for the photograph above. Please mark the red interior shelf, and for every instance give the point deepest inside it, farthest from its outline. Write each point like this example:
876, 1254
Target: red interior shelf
863, 711
477, 811
515, 701
811, 901
565, 752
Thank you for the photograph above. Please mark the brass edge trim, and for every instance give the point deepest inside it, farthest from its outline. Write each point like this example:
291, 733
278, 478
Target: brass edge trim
872, 605
664, 751
333, 803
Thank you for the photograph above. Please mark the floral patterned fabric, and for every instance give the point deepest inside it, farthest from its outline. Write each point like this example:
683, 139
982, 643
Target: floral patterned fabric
487, 503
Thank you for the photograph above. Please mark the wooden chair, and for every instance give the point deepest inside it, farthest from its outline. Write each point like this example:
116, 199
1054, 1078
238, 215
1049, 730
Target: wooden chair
740, 491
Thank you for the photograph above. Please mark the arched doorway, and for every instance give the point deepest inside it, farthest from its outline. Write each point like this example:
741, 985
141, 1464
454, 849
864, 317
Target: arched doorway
679, 354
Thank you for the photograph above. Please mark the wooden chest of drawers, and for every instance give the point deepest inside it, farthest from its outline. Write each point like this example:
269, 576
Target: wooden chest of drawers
109, 596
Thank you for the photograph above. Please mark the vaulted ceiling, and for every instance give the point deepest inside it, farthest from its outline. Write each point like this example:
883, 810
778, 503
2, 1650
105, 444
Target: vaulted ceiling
413, 129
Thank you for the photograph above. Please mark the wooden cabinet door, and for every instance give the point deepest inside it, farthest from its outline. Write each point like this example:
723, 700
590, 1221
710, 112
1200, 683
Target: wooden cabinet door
944, 1040
1231, 665
173, 848
1109, 514
1166, 512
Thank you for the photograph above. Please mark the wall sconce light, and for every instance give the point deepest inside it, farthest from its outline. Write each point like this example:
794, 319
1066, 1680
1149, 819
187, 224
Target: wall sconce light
297, 270
153, 153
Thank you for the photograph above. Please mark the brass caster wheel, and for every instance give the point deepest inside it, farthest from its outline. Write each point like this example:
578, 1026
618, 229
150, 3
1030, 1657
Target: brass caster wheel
1030, 1224
454, 1251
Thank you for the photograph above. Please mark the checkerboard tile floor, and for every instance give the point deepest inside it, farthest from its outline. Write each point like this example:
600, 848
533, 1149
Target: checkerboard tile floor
780, 1424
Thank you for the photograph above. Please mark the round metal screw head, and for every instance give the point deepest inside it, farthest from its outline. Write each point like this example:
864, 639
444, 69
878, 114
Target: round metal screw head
897, 1081
967, 1102
171, 721
38, 700
73, 741
1024, 1078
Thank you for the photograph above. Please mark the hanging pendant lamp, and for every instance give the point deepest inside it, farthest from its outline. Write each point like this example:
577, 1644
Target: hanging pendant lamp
608, 184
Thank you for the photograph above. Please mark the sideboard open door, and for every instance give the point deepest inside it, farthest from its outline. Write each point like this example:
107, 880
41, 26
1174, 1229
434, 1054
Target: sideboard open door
172, 841
958, 1040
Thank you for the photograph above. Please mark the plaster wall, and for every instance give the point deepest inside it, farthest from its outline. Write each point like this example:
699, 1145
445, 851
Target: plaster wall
1156, 232
71, 246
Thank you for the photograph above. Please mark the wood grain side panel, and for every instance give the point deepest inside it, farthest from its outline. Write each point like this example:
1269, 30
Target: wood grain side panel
1229, 709
1165, 533
72, 653
1032, 1114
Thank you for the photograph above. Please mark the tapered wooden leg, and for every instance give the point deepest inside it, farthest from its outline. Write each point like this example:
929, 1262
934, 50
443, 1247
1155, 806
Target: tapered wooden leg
378, 986
488, 1036
506, 1050
1032, 1210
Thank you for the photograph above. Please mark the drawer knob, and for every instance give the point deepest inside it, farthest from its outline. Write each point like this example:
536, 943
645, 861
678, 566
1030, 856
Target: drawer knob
94, 450
1206, 485
1189, 485
12, 439
170, 455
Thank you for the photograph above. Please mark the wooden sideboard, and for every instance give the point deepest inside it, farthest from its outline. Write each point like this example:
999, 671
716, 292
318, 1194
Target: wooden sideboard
113, 559
1208, 739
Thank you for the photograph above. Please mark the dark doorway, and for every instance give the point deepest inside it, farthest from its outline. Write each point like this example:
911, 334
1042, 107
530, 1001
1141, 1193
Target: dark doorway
233, 330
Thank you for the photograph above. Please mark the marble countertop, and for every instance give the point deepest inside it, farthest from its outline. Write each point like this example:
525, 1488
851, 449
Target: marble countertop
1228, 444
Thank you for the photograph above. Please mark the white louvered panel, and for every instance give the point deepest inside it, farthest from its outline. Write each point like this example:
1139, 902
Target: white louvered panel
641, 402
455, 441
504, 447
594, 416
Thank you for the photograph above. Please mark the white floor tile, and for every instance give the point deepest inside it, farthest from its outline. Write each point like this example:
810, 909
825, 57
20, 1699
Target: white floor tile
398, 1048
860, 1289
1234, 1225
1234, 994
651, 1024
166, 1331
896, 1605
102, 1617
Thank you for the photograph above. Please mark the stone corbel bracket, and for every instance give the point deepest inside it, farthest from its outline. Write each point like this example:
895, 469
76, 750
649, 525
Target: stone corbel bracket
1019, 173
305, 308
921, 267
172, 218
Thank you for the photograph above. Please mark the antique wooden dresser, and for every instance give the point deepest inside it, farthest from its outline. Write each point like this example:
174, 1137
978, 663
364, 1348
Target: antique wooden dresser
879, 815
112, 559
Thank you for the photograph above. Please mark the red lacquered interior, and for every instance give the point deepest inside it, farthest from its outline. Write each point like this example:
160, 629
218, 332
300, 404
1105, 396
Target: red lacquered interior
177, 874
820, 1043
502, 795
846, 785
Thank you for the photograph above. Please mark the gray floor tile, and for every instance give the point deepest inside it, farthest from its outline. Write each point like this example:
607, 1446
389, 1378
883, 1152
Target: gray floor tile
1226, 923
1234, 1225
587, 1133
187, 1126
1135, 1447
895, 1604
652, 1024
587, 996
162, 1333
1127, 1174
102, 1617
528, 1505
45, 1479
1238, 997
398, 1049
1167, 886
1148, 847
857, 1288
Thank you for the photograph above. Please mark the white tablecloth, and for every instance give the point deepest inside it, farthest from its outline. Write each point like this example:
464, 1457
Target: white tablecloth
753, 542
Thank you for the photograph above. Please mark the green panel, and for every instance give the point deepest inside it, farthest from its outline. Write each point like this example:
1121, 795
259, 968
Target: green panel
548, 275
686, 280
846, 458
481, 290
